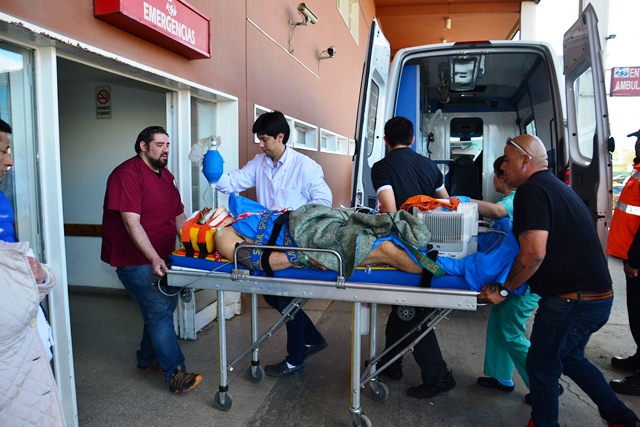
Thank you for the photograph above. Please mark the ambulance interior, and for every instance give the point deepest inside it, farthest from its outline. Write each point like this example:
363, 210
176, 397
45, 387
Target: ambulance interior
464, 106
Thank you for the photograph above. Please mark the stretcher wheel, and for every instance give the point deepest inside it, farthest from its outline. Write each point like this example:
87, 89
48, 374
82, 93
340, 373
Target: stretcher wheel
255, 374
379, 391
364, 421
228, 401
406, 313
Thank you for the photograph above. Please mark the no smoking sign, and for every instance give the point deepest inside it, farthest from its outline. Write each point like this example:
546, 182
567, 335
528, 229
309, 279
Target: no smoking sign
103, 102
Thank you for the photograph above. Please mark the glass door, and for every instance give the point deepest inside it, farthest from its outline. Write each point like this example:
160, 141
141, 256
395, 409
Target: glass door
20, 184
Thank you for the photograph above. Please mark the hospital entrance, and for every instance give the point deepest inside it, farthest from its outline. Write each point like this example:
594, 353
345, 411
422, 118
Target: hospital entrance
101, 113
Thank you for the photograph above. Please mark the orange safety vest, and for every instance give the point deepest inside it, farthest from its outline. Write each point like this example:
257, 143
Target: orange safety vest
626, 218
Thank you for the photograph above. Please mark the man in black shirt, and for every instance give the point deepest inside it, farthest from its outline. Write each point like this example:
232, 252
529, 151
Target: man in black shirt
402, 174
561, 258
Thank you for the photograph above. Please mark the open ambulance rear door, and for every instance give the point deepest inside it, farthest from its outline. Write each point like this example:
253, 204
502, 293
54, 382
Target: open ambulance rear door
370, 120
589, 144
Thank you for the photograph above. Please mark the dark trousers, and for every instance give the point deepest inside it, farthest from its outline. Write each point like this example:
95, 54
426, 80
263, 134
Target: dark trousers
633, 308
426, 353
561, 331
300, 330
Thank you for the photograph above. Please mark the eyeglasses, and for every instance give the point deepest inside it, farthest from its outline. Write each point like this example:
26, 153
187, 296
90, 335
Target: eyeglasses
515, 144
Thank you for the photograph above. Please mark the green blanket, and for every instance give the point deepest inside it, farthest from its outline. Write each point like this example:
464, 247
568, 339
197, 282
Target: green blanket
350, 233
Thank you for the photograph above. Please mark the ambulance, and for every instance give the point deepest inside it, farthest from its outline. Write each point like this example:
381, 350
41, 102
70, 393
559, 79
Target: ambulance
465, 99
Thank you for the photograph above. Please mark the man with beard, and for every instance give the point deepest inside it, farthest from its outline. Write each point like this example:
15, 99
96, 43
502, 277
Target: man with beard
624, 243
283, 178
142, 214
562, 260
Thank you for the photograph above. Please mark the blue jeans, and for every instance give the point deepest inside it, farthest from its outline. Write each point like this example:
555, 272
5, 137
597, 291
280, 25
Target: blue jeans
159, 340
300, 330
560, 333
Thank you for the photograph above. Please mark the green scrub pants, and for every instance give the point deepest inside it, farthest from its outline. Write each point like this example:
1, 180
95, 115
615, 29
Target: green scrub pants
506, 344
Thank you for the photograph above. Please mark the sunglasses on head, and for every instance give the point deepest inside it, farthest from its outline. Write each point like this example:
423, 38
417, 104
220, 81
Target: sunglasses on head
515, 144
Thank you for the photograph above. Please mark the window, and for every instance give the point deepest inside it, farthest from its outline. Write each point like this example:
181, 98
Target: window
304, 135
331, 142
257, 112
350, 12
585, 112
374, 98
352, 147
530, 128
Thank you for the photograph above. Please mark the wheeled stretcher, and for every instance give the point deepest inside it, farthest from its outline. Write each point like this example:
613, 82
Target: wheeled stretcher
367, 285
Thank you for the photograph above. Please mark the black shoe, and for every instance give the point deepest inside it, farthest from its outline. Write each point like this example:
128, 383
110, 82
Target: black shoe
630, 385
281, 369
494, 383
631, 364
439, 385
310, 351
527, 397
393, 371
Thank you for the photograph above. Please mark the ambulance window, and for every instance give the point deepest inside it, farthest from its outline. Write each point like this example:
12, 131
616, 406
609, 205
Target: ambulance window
466, 137
374, 98
585, 112
530, 128
525, 113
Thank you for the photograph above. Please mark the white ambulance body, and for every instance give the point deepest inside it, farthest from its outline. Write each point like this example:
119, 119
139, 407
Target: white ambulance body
465, 99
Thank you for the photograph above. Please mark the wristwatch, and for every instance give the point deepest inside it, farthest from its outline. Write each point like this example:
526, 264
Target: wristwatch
504, 292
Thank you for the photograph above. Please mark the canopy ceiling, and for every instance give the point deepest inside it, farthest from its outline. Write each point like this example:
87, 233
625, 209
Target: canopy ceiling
416, 22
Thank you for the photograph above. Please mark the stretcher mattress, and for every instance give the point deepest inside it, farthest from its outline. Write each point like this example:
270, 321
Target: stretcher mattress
377, 275
491, 264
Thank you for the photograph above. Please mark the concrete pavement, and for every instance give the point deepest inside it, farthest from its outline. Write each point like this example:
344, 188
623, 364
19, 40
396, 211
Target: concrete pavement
112, 392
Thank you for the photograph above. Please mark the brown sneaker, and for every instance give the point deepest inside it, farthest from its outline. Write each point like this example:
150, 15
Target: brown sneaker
182, 381
153, 366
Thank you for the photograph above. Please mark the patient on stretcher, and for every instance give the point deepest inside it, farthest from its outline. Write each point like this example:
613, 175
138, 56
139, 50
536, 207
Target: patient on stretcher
360, 238
398, 240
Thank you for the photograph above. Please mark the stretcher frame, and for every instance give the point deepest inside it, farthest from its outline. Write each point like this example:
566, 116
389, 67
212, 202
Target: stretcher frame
442, 301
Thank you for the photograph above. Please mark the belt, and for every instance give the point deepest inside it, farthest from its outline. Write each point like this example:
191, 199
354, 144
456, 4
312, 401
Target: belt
586, 296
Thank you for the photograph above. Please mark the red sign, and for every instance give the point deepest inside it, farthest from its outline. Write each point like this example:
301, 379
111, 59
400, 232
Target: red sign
625, 81
172, 24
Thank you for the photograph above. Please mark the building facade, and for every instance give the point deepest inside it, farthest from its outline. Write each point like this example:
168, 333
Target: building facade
80, 79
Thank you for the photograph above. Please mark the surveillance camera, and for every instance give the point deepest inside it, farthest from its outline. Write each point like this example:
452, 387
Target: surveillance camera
331, 51
307, 13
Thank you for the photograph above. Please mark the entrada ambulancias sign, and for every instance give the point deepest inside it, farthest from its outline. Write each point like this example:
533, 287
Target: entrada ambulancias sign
625, 81
172, 24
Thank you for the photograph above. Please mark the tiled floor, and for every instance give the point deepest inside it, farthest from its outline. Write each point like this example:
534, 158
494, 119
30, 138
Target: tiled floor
112, 392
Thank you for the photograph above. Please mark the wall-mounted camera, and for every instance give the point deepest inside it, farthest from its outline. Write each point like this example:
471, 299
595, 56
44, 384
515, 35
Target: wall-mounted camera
307, 14
328, 53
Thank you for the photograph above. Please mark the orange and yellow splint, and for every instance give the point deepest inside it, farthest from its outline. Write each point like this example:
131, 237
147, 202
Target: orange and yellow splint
198, 231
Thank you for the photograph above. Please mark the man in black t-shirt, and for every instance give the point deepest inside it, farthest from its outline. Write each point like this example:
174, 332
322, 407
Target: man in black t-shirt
402, 174
561, 258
